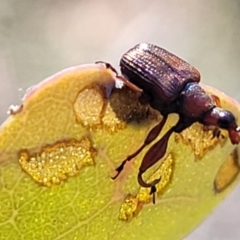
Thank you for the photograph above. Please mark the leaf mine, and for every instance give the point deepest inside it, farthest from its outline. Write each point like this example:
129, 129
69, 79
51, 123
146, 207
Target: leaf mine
88, 107
94, 111
55, 163
201, 139
133, 204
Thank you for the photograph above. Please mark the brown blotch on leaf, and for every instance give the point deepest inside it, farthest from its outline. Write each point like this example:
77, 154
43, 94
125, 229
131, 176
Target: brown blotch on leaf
227, 172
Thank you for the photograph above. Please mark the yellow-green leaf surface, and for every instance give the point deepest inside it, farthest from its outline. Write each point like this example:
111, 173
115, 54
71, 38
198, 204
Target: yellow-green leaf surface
59, 150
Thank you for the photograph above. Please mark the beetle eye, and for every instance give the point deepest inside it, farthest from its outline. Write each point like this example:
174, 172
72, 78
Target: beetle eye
226, 119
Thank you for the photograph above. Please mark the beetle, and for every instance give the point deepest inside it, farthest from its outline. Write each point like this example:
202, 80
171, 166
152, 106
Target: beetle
170, 85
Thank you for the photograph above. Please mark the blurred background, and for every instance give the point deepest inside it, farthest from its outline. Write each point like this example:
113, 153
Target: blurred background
39, 38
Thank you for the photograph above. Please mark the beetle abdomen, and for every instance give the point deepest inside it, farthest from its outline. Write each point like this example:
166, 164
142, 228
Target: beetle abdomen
157, 71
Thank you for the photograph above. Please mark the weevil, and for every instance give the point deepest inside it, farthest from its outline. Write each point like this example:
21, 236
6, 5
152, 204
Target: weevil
169, 85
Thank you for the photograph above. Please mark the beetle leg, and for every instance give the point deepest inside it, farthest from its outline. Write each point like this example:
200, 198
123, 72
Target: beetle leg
123, 79
217, 133
156, 152
216, 130
108, 66
150, 137
130, 85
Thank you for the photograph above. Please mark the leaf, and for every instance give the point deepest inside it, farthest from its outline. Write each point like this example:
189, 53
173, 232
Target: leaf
59, 150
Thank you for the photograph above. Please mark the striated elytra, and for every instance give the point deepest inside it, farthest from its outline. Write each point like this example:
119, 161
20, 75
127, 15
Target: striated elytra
170, 85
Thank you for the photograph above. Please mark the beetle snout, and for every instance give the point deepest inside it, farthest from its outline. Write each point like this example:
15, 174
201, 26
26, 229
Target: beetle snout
234, 134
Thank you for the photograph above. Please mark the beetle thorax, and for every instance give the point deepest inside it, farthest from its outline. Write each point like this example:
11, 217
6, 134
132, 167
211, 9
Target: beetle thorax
194, 102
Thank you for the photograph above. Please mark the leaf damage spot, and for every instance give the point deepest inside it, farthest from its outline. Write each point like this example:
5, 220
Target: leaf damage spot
201, 139
133, 204
96, 111
130, 208
88, 107
227, 172
55, 163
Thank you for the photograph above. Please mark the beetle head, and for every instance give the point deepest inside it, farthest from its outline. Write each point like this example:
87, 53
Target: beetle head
225, 120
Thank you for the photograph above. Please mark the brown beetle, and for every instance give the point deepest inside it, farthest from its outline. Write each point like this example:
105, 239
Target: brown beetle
170, 85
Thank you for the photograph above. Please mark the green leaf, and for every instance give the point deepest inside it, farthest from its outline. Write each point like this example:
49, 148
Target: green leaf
59, 150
